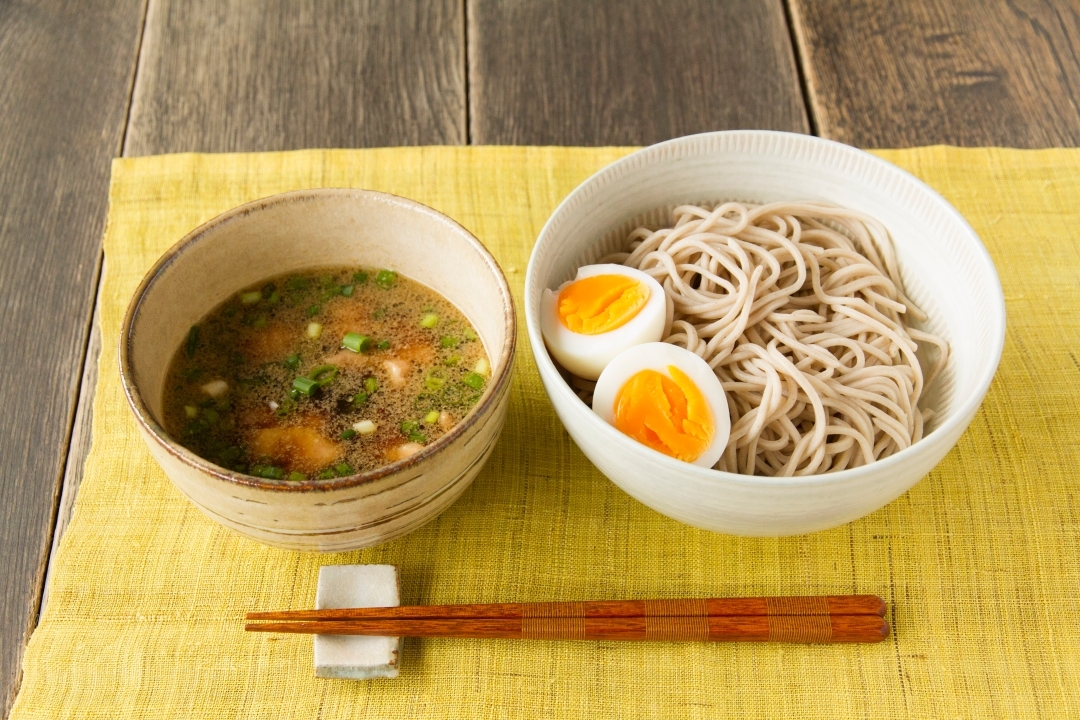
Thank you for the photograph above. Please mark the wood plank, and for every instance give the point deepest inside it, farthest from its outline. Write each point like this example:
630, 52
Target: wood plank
628, 73
168, 44
220, 76
174, 111
959, 72
79, 445
68, 72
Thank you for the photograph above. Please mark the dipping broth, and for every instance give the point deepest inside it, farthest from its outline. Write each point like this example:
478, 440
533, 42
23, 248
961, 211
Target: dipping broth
323, 374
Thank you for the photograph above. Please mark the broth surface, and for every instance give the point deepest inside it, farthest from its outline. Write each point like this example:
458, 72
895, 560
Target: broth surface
323, 374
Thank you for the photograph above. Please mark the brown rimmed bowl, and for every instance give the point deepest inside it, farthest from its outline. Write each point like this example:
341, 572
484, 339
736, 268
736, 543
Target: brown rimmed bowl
305, 230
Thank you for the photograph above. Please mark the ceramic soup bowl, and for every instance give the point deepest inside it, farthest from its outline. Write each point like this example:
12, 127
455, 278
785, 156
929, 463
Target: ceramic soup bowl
300, 231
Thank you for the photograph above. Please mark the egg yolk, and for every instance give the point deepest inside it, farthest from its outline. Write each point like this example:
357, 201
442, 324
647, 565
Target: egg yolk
601, 303
667, 414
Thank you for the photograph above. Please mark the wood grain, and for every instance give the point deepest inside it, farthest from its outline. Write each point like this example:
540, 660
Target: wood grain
753, 628
64, 92
79, 444
959, 72
628, 73
229, 75
711, 607
235, 77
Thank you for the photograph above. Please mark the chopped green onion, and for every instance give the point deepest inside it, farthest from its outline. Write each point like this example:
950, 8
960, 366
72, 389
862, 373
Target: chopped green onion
429, 321
383, 344
296, 477
313, 311
348, 434
378, 313
197, 428
432, 417
346, 290
287, 405
327, 474
305, 385
191, 411
211, 415
294, 394
409, 426
297, 283
474, 381
356, 342
268, 471
260, 322
364, 427
192, 341
343, 469
469, 334
324, 374
452, 360
385, 278
417, 438
359, 277
292, 362
314, 330
371, 385
433, 383
275, 296
449, 342
250, 298
482, 367
230, 455
359, 399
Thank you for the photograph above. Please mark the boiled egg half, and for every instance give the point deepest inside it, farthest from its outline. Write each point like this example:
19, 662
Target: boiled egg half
667, 398
606, 309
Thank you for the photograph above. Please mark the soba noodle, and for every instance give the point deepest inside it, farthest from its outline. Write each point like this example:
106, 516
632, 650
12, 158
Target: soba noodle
800, 310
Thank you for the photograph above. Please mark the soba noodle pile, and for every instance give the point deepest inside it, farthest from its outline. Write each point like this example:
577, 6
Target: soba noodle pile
800, 310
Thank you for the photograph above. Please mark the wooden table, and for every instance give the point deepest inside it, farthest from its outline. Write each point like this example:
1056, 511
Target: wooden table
84, 82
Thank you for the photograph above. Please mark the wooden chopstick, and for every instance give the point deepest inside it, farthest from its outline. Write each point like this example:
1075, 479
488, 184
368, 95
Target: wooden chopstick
815, 619
783, 628
709, 607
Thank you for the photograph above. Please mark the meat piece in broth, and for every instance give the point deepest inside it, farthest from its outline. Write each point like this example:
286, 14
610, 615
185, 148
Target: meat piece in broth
398, 371
298, 448
273, 342
404, 362
349, 359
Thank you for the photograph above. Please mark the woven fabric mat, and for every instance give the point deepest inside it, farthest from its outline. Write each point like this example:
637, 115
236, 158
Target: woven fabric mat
977, 562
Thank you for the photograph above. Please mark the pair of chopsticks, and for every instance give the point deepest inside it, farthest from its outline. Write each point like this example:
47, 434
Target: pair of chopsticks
807, 619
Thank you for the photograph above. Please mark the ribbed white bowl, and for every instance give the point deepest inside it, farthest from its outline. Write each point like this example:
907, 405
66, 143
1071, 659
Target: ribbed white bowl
946, 270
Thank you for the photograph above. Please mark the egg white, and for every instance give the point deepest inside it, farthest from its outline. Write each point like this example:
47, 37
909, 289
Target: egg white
587, 355
658, 356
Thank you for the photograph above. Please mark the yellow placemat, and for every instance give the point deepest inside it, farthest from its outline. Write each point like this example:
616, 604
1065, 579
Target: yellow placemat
977, 562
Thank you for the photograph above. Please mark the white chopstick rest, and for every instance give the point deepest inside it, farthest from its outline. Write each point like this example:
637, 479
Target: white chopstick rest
356, 657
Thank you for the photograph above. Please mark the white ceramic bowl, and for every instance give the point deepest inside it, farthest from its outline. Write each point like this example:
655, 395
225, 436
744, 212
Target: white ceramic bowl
298, 231
945, 267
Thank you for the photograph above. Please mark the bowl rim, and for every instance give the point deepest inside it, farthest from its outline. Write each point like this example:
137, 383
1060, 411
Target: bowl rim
500, 373
767, 143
